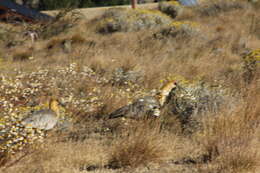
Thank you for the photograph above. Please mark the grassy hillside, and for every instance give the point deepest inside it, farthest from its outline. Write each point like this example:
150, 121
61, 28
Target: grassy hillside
95, 65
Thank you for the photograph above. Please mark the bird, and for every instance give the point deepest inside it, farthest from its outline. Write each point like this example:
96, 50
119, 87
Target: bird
44, 119
148, 105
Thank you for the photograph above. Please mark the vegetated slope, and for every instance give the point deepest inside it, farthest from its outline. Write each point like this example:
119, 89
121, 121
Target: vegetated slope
209, 124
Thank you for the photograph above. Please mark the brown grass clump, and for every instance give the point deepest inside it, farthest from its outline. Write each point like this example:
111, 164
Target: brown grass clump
229, 140
255, 24
57, 42
140, 146
77, 38
52, 158
4, 157
54, 43
213, 8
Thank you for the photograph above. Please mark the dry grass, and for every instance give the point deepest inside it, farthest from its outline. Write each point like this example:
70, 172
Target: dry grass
22, 56
76, 156
84, 79
230, 139
141, 145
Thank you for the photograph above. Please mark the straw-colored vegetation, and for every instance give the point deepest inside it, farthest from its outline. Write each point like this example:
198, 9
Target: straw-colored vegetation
208, 124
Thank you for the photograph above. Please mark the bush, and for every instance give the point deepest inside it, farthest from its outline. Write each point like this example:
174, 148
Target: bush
4, 35
191, 99
127, 20
178, 28
213, 8
251, 62
7, 36
228, 139
171, 8
66, 43
140, 146
62, 22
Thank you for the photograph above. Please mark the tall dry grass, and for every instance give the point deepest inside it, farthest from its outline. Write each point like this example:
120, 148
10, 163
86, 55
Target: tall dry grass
230, 140
141, 144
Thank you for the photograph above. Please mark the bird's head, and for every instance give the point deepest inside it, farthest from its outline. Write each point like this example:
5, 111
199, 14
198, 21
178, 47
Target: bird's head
54, 106
166, 90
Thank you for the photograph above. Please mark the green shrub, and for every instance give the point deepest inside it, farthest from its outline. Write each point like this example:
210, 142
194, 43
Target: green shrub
127, 20
171, 8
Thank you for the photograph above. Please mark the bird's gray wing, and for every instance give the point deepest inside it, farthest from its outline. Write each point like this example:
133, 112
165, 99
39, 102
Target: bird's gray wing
37, 116
120, 112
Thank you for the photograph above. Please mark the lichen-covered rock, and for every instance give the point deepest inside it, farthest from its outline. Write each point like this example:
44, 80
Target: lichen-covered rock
178, 28
171, 8
251, 62
127, 20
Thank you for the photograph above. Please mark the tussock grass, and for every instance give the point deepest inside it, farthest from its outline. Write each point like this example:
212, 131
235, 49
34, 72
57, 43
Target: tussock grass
229, 139
211, 8
141, 145
4, 158
22, 56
